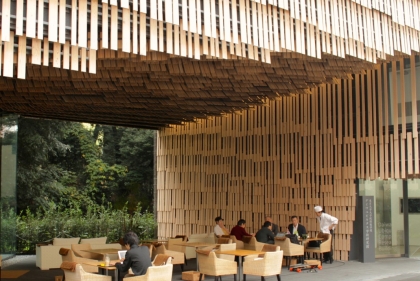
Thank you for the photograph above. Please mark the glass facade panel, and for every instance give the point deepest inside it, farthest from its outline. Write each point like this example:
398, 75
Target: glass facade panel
9, 131
414, 217
389, 222
408, 98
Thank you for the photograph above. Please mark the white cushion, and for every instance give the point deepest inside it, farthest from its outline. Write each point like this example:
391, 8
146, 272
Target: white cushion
65, 241
94, 241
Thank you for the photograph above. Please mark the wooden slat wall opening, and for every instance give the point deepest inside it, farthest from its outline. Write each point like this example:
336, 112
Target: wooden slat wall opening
297, 152
245, 29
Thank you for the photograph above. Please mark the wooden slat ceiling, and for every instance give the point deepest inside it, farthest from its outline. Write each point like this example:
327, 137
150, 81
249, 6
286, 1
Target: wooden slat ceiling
160, 62
151, 94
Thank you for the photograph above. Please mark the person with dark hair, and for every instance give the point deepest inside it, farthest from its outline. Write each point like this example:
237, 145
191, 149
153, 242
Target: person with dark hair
295, 227
265, 234
219, 228
137, 257
239, 230
274, 227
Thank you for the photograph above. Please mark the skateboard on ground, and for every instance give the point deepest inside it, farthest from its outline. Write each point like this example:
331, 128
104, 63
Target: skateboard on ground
311, 265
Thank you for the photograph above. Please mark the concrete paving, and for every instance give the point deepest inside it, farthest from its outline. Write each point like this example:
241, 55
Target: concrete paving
391, 269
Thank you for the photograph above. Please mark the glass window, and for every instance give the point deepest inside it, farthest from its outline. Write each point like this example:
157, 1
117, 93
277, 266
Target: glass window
389, 222
414, 218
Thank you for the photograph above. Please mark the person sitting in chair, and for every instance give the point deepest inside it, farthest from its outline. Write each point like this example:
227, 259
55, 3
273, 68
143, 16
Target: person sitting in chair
239, 230
137, 257
220, 228
295, 227
265, 234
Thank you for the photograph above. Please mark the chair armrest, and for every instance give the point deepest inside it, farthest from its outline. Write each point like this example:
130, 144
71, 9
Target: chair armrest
259, 246
178, 257
259, 263
96, 277
239, 244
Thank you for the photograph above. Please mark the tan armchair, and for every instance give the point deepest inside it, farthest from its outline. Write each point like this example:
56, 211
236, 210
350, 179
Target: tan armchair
266, 248
79, 251
162, 260
154, 273
289, 249
88, 265
171, 245
324, 247
198, 237
239, 243
79, 274
213, 266
251, 243
268, 265
178, 257
227, 247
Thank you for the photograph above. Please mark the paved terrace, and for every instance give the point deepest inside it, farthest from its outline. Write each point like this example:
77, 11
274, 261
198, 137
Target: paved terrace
392, 269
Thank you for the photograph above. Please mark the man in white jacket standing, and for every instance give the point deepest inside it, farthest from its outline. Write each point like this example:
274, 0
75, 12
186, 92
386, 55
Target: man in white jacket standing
327, 224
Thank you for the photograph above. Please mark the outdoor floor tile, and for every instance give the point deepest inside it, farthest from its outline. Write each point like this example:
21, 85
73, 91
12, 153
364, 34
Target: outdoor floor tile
392, 269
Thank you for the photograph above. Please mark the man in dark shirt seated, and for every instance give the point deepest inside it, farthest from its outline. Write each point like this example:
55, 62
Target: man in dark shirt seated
265, 234
239, 230
295, 227
137, 257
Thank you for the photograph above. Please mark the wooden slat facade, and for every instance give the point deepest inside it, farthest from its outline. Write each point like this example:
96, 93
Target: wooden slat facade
290, 155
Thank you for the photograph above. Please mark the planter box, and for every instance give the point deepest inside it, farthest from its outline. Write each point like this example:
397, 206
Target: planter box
191, 276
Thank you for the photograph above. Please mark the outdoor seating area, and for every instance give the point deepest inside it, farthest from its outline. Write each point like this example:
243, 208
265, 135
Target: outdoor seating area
206, 254
47, 255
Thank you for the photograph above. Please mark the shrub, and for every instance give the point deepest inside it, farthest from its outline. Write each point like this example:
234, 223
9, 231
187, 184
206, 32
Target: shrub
96, 221
8, 226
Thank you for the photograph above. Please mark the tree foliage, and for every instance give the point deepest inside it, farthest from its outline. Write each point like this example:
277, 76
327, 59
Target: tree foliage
69, 162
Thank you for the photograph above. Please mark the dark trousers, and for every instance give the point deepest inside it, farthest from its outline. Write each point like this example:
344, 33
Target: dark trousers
329, 256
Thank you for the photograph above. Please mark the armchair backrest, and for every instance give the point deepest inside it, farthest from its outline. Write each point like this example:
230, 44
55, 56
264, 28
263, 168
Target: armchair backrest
239, 244
227, 247
325, 236
184, 237
161, 273
270, 248
172, 247
250, 243
79, 251
283, 242
224, 240
161, 259
272, 260
206, 260
326, 243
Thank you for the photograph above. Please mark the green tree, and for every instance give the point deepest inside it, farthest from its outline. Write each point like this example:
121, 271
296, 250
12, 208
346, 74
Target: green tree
132, 148
38, 177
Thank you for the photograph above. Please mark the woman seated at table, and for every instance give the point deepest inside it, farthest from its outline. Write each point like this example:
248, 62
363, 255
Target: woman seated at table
137, 257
